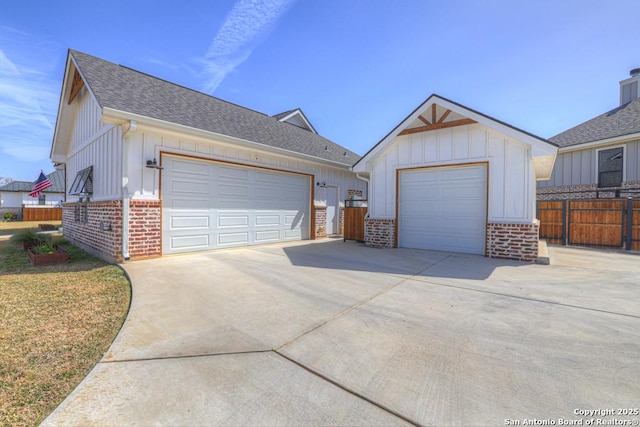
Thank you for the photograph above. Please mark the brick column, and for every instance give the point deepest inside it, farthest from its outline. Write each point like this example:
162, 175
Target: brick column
379, 232
321, 221
513, 241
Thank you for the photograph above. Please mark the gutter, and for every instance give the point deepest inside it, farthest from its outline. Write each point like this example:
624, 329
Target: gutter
367, 181
133, 125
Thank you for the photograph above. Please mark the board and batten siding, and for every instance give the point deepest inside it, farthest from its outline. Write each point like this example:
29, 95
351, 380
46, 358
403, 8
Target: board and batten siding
510, 168
579, 167
144, 183
96, 144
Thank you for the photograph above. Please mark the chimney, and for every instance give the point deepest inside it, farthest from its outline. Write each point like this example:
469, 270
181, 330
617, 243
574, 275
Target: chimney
629, 87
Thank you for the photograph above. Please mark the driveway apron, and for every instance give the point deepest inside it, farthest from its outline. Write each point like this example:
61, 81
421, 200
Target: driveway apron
334, 333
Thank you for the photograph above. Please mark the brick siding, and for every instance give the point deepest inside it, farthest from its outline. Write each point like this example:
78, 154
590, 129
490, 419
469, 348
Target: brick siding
513, 241
584, 191
320, 221
99, 230
101, 234
145, 229
351, 193
379, 232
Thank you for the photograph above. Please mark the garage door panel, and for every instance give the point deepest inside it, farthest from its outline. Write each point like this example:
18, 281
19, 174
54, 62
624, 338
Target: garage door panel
183, 222
231, 239
189, 187
267, 236
235, 205
190, 204
232, 174
233, 221
265, 219
188, 168
192, 242
443, 208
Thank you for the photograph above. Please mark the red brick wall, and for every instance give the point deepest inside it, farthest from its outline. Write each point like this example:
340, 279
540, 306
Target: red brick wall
583, 191
379, 233
513, 241
101, 234
145, 229
321, 221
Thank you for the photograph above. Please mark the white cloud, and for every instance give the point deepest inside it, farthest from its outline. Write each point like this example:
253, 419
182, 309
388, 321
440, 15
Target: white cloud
246, 26
28, 95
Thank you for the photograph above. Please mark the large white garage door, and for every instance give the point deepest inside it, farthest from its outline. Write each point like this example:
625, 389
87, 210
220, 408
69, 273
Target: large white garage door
207, 205
443, 208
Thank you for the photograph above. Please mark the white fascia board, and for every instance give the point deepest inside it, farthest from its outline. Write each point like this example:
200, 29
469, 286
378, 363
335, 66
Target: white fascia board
110, 115
601, 142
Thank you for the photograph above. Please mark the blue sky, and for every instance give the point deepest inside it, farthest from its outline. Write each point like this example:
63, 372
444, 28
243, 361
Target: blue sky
355, 67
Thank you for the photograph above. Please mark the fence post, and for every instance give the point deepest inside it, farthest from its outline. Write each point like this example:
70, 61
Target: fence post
565, 220
629, 223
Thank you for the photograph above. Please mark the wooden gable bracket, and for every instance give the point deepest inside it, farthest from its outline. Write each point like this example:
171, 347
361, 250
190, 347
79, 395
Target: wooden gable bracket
437, 123
76, 86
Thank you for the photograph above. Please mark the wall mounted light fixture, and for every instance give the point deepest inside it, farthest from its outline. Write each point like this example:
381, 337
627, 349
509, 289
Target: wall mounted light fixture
321, 184
153, 164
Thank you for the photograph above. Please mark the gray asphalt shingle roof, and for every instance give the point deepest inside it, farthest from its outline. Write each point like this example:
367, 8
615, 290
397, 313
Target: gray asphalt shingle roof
623, 120
56, 178
131, 91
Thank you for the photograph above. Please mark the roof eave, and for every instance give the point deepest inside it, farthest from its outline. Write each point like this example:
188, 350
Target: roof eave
540, 146
600, 142
119, 117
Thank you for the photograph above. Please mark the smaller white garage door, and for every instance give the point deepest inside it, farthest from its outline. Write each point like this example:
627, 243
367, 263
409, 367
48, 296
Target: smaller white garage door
443, 208
208, 205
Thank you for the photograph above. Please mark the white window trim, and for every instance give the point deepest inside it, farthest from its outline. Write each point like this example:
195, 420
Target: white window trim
624, 162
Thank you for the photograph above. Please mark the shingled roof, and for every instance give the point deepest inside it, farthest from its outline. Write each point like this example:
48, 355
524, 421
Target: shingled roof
124, 89
621, 121
56, 178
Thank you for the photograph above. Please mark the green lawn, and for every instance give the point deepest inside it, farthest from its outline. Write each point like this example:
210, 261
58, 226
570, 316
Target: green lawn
57, 322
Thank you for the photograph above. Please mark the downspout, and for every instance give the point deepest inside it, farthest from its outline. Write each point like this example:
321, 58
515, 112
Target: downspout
367, 181
125, 189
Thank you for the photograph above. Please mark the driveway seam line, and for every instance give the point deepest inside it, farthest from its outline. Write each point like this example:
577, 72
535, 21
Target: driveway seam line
529, 299
187, 356
348, 390
355, 306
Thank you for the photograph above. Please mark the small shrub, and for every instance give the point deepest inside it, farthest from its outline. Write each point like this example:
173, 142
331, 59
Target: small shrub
7, 216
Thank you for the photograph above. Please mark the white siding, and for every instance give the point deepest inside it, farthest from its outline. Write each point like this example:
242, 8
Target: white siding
95, 144
579, 167
144, 183
511, 186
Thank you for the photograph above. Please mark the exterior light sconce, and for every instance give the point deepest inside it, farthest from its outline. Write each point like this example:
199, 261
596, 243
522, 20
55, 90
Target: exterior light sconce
153, 164
321, 184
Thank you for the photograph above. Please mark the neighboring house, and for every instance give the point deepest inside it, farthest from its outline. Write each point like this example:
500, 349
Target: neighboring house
15, 195
450, 178
154, 168
600, 157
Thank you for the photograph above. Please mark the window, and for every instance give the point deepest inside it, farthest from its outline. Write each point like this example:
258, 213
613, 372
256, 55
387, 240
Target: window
42, 200
610, 167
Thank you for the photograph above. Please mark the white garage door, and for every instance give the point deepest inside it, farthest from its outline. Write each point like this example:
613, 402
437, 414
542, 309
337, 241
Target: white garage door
207, 205
443, 209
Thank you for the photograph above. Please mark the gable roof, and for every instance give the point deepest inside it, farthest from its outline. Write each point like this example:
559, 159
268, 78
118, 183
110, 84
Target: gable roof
621, 121
297, 118
541, 147
123, 89
56, 178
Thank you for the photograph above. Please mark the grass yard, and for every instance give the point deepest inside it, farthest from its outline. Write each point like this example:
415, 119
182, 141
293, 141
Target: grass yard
56, 323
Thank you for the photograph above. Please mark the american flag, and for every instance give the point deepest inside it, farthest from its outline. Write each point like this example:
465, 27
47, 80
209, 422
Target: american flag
40, 185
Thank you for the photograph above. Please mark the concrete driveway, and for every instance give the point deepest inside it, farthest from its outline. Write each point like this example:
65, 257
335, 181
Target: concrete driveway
333, 333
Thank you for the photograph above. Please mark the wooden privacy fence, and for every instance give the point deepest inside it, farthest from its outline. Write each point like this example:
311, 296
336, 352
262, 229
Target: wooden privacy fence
41, 214
603, 223
354, 213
